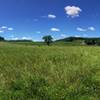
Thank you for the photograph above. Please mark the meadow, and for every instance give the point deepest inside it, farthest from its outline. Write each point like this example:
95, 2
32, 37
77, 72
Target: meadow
30, 72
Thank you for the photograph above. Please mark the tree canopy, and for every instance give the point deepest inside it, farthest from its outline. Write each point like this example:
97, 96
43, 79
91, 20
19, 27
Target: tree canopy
2, 38
47, 39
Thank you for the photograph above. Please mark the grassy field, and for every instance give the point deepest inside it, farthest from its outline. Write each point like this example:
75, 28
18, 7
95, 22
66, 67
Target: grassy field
49, 73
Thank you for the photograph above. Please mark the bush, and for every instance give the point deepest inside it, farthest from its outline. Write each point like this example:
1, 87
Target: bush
90, 42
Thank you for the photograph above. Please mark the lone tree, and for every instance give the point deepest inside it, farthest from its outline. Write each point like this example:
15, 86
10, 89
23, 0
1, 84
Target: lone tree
2, 38
47, 39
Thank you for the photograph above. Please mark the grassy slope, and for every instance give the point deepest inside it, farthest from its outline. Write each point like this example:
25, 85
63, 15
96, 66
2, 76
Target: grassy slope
49, 73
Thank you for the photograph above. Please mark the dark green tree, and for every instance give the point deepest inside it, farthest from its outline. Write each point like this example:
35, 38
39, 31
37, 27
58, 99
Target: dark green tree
48, 39
2, 38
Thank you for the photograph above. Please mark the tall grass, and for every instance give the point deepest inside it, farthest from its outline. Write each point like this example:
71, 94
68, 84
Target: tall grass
49, 73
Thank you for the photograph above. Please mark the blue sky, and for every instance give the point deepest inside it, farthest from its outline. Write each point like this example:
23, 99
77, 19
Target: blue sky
32, 19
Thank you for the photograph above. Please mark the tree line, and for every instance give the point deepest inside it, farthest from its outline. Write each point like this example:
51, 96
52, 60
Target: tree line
49, 39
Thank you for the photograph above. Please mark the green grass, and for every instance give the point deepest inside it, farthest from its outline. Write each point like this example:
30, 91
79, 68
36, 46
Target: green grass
49, 73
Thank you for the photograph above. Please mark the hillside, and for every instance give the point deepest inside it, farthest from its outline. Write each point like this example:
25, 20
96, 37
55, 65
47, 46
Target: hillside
70, 39
78, 41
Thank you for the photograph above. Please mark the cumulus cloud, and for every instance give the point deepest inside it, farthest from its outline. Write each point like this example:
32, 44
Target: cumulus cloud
87, 29
26, 38
4, 27
73, 11
10, 29
81, 29
91, 28
1, 31
51, 16
21, 38
55, 29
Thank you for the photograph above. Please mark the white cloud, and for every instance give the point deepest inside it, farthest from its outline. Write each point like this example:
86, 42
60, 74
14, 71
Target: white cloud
72, 11
3, 27
91, 28
10, 29
87, 29
26, 38
81, 29
63, 35
55, 29
1, 31
51, 16
21, 38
